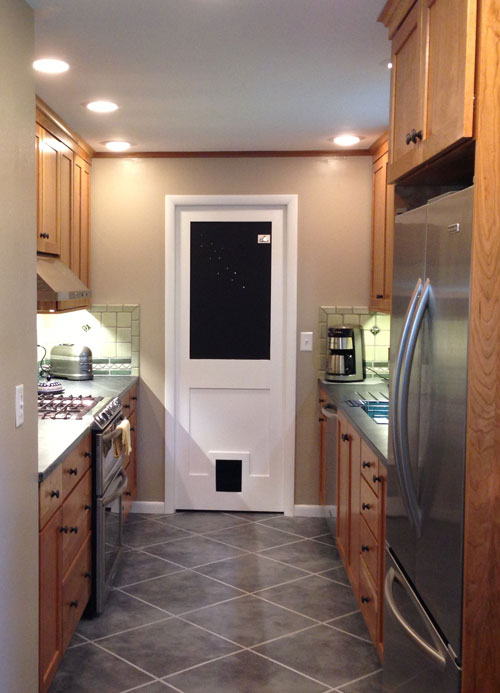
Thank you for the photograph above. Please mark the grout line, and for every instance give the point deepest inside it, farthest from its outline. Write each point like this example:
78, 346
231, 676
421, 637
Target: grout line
139, 599
287, 608
351, 613
201, 664
128, 630
296, 671
346, 632
140, 582
113, 654
280, 584
361, 678
285, 635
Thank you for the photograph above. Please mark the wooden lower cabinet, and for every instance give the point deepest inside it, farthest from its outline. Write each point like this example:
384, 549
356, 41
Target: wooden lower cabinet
129, 407
361, 524
65, 558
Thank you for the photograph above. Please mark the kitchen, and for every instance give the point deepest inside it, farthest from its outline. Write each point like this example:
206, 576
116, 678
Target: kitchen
255, 176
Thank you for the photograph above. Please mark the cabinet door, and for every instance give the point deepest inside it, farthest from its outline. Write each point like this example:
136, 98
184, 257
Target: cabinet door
355, 511
407, 94
48, 238
65, 156
450, 28
343, 485
50, 595
80, 246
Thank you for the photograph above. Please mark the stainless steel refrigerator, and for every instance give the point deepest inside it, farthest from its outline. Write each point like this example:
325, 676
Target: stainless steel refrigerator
426, 466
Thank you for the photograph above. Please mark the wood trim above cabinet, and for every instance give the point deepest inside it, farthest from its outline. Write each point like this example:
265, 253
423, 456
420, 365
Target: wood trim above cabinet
51, 121
394, 13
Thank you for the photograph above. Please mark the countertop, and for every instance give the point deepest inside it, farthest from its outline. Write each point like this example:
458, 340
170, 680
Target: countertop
57, 438
375, 435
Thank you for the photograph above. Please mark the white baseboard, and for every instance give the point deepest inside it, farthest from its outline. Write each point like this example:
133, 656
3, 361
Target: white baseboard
315, 511
148, 507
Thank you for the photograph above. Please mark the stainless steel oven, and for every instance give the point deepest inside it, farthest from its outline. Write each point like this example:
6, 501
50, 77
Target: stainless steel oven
110, 481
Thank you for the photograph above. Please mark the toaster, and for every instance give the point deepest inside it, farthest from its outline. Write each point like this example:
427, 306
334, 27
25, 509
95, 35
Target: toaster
71, 361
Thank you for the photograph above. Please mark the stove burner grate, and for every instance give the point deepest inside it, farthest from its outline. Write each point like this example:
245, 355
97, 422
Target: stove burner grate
64, 407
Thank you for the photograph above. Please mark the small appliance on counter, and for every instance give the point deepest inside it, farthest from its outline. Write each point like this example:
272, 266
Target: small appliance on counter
71, 361
345, 361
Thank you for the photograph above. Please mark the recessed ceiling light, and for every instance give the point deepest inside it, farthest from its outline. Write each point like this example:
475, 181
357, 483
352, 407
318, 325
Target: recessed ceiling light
102, 106
346, 140
51, 66
117, 146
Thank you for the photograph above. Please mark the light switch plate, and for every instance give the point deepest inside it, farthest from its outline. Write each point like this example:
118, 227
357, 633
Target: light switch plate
19, 405
306, 341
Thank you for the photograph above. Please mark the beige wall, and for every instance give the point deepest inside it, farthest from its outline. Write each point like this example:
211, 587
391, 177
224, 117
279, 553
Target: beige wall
128, 266
18, 447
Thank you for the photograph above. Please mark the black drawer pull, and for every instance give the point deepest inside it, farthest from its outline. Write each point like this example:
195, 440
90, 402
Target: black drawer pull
367, 465
407, 138
74, 603
73, 470
364, 547
322, 401
63, 529
128, 493
377, 478
380, 295
87, 575
134, 398
321, 419
87, 454
345, 437
126, 406
365, 506
55, 494
87, 507
73, 530
365, 600
132, 429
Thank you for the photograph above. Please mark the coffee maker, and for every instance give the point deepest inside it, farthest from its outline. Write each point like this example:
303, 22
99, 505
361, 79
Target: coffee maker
345, 362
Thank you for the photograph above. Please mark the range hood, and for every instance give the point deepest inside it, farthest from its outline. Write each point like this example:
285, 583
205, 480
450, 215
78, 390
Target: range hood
56, 282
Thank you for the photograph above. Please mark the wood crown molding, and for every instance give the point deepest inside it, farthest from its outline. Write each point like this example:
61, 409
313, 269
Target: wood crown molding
380, 146
49, 119
394, 13
331, 153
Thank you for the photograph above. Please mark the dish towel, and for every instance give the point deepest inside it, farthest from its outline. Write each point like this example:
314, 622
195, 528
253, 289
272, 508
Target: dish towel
124, 440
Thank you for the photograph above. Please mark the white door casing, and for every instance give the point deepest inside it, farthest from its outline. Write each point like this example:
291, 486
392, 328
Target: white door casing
230, 409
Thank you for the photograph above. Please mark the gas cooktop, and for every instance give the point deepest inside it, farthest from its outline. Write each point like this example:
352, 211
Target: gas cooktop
60, 406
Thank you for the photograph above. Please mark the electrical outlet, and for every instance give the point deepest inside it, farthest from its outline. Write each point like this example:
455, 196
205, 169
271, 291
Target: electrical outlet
306, 341
19, 405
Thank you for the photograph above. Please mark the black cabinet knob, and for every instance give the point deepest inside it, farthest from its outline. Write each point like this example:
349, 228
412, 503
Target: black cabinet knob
380, 295
128, 493
134, 398
367, 465
321, 400
416, 136
365, 600
87, 454
365, 506
73, 530
74, 603
364, 547
55, 494
321, 419
126, 406
377, 478
407, 138
345, 437
132, 429
63, 529
73, 470
87, 507
87, 575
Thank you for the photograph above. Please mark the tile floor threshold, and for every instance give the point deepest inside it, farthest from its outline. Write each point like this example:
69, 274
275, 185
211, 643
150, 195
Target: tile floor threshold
225, 602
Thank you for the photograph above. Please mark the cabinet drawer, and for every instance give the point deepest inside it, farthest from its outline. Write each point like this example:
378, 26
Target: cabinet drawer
76, 590
368, 601
369, 549
50, 495
76, 464
370, 468
77, 519
370, 507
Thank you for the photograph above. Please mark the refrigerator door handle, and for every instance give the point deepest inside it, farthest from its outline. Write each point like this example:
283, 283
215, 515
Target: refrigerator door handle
437, 653
395, 396
414, 332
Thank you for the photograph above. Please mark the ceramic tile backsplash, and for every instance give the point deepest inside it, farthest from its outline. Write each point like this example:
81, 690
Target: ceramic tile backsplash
111, 331
376, 334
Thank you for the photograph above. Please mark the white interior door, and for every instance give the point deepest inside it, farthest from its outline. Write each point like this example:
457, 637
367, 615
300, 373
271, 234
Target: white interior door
230, 358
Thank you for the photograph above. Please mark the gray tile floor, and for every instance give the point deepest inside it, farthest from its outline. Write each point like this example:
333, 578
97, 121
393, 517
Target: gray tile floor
226, 603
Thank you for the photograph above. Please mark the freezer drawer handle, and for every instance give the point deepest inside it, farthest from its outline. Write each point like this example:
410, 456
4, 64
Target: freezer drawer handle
434, 653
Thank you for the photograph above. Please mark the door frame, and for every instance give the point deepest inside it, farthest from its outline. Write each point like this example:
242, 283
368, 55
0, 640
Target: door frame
289, 204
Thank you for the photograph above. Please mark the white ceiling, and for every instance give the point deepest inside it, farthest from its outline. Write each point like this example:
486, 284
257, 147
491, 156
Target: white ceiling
217, 75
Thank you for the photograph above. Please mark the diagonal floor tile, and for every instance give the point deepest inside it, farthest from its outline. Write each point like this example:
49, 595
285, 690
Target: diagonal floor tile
353, 624
182, 591
252, 536
166, 647
120, 613
199, 521
156, 687
251, 572
325, 654
245, 672
370, 684
194, 550
135, 566
88, 669
306, 554
314, 597
248, 620
150, 532
253, 517
325, 539
304, 526
337, 574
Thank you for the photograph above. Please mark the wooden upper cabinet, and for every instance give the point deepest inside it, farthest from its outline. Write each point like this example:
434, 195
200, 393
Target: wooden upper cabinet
432, 82
48, 211
382, 232
80, 249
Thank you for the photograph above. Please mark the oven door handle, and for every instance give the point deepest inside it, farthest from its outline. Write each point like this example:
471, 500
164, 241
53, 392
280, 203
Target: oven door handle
107, 437
118, 492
